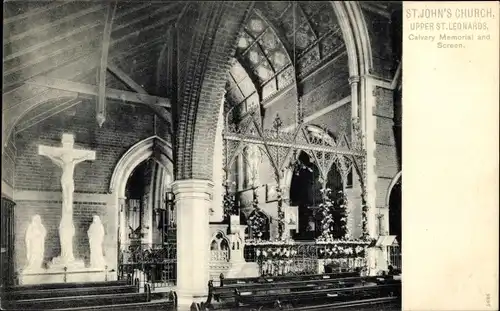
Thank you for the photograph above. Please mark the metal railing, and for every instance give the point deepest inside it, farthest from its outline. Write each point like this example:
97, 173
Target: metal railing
149, 263
302, 258
394, 253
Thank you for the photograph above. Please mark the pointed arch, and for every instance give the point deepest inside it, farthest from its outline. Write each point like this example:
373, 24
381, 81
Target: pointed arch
356, 38
330, 139
154, 147
393, 183
218, 237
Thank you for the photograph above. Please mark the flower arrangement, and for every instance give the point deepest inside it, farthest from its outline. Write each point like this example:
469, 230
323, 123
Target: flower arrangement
229, 201
255, 201
282, 257
364, 205
257, 223
333, 251
281, 213
327, 221
275, 242
364, 222
334, 215
343, 214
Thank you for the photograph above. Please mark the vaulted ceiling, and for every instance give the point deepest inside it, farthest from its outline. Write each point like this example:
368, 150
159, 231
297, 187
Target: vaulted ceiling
284, 41
281, 42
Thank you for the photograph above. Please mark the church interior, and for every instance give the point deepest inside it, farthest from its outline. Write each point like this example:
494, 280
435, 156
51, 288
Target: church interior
201, 155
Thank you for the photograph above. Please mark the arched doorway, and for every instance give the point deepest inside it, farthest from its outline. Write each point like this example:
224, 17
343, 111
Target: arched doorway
139, 184
395, 201
305, 192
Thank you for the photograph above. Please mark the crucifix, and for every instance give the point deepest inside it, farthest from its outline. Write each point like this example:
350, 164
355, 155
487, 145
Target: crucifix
66, 157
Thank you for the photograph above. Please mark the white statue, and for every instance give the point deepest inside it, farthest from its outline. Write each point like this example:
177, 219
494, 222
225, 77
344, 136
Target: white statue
66, 158
35, 243
96, 237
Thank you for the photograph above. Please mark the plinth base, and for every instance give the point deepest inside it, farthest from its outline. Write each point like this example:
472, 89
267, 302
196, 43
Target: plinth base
59, 272
58, 264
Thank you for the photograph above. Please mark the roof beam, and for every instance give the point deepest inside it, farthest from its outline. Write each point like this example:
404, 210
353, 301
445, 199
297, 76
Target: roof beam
46, 114
36, 30
88, 89
123, 77
101, 101
127, 80
30, 13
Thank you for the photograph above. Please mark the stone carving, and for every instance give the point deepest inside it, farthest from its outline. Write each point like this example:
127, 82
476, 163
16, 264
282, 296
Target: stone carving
35, 244
66, 158
96, 237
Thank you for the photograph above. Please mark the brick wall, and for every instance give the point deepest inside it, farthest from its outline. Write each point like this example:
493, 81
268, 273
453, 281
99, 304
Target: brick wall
385, 153
320, 90
202, 85
326, 86
337, 121
50, 212
125, 126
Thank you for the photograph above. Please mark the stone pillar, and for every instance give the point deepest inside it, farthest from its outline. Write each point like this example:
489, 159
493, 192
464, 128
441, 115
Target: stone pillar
218, 171
193, 199
123, 226
369, 127
354, 81
111, 251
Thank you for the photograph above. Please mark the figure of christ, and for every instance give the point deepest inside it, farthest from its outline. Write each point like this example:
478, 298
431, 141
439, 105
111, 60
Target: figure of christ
66, 158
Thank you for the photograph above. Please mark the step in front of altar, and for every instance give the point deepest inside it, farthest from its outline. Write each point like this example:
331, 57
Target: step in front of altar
80, 275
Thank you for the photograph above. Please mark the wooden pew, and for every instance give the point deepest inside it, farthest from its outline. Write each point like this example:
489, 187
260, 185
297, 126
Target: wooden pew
102, 298
310, 291
285, 278
142, 306
67, 292
64, 285
312, 296
226, 291
76, 301
378, 304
